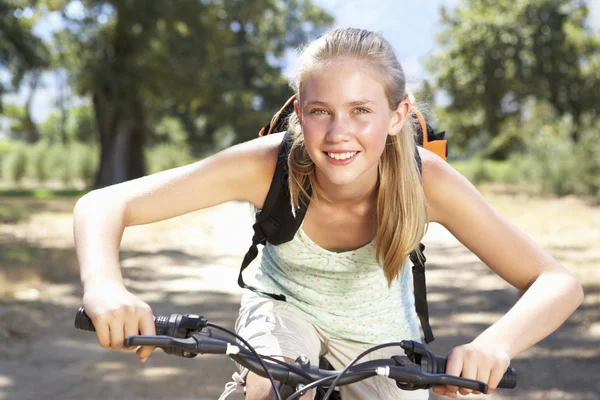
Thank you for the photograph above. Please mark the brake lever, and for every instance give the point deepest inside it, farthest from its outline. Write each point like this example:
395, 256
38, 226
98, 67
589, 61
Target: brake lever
173, 346
199, 342
460, 382
412, 379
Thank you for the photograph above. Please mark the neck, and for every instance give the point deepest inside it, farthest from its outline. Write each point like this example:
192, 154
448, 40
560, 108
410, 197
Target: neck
358, 194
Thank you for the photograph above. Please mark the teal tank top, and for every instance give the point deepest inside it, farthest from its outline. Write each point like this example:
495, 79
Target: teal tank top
346, 294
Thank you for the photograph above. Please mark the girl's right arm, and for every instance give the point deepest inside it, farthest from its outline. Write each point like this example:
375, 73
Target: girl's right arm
242, 172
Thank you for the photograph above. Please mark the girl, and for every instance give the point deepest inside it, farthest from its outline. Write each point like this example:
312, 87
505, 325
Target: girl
344, 273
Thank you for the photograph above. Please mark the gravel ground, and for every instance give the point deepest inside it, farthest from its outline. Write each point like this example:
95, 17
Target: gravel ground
190, 264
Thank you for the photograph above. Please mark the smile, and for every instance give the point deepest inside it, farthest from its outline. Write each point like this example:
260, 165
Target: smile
342, 156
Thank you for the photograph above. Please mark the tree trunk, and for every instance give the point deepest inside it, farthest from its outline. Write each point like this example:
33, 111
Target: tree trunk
61, 101
122, 136
32, 132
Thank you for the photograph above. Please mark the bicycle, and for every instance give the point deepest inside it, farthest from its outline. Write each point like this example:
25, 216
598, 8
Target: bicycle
189, 335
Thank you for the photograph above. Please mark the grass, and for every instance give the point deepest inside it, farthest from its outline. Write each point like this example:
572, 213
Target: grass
41, 194
17, 205
479, 170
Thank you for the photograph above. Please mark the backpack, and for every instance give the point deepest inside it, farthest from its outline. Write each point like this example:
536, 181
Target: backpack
276, 224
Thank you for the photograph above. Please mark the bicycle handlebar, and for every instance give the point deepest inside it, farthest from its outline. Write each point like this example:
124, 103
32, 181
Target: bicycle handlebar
188, 335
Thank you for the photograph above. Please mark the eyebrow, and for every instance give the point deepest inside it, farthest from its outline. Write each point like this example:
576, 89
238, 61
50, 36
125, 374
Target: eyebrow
361, 102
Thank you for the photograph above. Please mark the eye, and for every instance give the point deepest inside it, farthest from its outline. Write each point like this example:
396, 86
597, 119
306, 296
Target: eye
318, 111
361, 110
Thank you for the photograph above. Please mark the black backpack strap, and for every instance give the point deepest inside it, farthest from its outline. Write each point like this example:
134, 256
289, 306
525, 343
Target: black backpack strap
420, 288
418, 270
275, 223
251, 254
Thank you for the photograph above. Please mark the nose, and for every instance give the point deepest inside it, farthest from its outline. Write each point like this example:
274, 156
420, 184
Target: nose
339, 130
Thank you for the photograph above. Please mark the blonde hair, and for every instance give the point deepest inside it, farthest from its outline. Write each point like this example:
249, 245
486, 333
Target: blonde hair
401, 213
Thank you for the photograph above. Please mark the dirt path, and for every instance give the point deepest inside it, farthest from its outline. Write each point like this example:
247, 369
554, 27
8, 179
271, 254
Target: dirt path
190, 264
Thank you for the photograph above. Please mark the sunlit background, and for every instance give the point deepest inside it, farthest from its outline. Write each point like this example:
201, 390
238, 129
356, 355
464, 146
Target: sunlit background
94, 93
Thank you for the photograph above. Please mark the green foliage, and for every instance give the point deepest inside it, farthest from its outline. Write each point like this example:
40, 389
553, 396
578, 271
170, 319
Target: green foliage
46, 164
550, 160
560, 165
20, 50
50, 128
170, 130
496, 54
37, 164
480, 170
586, 173
188, 58
43, 194
165, 156
58, 164
203, 72
85, 162
82, 126
14, 165
6, 148
73, 165
17, 116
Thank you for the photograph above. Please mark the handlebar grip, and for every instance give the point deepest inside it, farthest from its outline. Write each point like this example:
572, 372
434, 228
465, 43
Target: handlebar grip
509, 380
83, 322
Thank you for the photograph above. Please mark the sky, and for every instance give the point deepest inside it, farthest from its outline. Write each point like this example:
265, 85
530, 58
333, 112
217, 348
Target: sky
410, 26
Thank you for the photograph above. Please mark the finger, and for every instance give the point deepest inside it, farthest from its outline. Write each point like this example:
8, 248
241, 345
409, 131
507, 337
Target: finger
483, 375
102, 332
131, 328
116, 334
469, 371
146, 327
439, 389
496, 375
454, 367
442, 390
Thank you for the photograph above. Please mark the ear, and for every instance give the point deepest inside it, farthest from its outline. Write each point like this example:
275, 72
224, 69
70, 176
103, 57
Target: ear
399, 116
297, 111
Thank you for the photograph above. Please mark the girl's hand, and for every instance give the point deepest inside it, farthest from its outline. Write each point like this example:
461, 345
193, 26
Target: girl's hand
474, 361
116, 314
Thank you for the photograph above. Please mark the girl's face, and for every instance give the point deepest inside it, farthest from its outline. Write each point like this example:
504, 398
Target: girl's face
345, 119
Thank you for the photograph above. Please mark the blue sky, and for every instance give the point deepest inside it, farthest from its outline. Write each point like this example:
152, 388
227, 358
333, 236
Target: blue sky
409, 25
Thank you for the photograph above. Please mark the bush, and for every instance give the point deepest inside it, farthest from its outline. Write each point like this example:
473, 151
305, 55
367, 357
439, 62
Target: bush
85, 162
36, 163
14, 165
585, 177
166, 156
58, 164
558, 164
479, 170
6, 148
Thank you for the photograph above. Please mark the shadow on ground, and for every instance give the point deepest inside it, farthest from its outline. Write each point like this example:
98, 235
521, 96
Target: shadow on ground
42, 355
565, 365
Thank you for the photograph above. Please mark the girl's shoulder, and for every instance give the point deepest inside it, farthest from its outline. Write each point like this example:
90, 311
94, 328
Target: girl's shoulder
256, 162
440, 180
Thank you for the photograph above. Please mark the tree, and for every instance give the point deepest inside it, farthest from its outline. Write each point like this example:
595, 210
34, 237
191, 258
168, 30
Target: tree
22, 126
206, 63
498, 53
22, 54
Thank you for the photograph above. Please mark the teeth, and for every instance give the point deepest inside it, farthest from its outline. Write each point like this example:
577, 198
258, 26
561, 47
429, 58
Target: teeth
342, 156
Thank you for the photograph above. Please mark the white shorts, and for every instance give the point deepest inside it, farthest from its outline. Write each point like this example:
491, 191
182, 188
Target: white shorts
278, 328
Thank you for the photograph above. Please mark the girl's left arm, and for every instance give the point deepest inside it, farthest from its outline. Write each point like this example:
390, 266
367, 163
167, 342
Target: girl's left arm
551, 293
